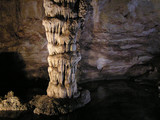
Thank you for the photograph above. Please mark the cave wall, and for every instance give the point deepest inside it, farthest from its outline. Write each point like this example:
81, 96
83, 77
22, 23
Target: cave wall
21, 31
120, 38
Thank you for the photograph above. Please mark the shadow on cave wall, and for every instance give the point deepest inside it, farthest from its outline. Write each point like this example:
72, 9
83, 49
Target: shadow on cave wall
12, 74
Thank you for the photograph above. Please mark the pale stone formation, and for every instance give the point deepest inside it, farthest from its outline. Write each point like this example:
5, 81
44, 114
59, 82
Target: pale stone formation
62, 22
11, 103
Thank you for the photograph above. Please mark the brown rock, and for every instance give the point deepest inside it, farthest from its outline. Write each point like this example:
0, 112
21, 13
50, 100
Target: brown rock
116, 36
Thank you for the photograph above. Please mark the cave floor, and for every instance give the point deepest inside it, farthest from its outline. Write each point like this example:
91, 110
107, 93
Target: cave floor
111, 100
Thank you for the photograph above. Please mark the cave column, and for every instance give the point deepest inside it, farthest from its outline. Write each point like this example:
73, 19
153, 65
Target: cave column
61, 25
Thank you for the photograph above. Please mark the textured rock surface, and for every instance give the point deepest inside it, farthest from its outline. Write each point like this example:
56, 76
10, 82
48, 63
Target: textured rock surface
119, 37
51, 106
62, 23
11, 103
21, 31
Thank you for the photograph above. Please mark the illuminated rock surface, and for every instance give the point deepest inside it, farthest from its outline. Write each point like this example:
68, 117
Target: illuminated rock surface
62, 24
51, 106
120, 39
119, 36
11, 103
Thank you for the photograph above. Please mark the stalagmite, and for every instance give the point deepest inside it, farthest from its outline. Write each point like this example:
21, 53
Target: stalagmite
62, 24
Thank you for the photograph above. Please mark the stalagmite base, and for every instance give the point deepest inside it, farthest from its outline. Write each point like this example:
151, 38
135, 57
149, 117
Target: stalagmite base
62, 23
54, 106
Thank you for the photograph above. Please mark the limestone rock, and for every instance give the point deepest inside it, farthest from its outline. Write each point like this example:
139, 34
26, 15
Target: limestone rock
59, 10
117, 35
51, 106
61, 25
11, 103
22, 32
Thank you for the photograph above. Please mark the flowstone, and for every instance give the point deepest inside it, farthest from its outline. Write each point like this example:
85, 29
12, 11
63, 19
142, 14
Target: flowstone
63, 21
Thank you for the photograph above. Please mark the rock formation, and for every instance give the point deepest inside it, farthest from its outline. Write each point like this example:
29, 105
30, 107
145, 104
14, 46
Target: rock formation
118, 37
61, 24
11, 103
52, 106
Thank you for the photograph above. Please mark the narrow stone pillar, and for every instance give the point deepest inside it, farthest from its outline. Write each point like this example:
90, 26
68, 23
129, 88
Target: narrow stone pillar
62, 23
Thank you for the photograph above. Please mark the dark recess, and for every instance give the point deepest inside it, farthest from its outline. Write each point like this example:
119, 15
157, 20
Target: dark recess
12, 74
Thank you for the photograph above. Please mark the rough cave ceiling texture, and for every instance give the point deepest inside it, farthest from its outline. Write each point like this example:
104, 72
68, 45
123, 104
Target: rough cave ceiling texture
120, 39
